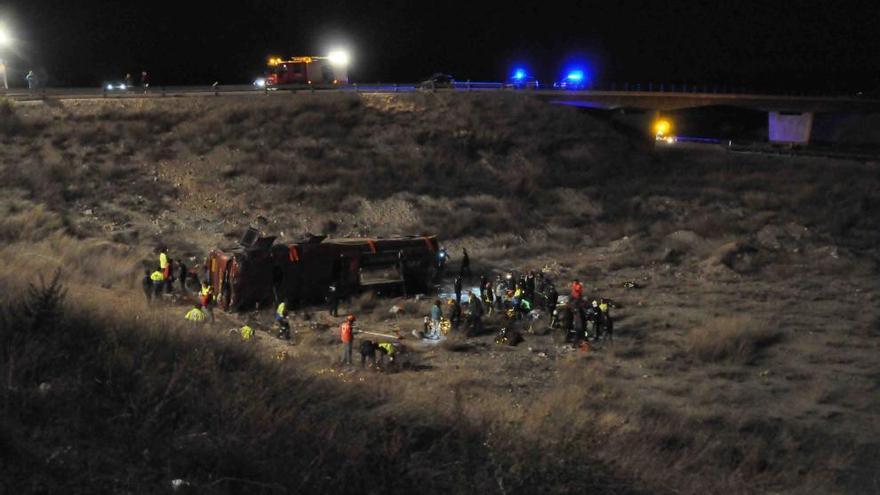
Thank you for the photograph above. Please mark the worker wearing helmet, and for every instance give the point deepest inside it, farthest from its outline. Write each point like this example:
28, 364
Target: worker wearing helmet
346, 331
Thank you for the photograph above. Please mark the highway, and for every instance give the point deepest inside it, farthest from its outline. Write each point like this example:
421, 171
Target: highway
646, 100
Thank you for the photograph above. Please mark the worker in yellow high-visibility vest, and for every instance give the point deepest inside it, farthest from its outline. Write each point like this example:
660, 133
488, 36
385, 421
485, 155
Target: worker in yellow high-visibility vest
158, 283
196, 315
164, 266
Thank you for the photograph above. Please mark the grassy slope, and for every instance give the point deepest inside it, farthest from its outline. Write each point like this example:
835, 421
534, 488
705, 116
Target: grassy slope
752, 250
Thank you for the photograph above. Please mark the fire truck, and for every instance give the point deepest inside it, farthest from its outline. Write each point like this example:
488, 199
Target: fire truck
258, 270
323, 72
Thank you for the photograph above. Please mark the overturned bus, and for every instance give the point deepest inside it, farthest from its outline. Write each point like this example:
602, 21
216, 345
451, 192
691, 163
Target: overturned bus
259, 272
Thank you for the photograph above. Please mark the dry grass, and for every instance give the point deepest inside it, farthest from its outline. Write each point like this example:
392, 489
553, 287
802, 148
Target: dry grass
520, 185
735, 340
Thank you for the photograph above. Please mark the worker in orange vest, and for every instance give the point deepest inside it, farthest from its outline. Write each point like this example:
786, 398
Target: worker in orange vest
577, 291
345, 334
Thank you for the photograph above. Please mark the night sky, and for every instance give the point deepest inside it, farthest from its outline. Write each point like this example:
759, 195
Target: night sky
780, 45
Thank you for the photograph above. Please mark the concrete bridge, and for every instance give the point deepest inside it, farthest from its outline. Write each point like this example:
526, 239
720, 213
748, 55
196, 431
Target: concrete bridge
789, 119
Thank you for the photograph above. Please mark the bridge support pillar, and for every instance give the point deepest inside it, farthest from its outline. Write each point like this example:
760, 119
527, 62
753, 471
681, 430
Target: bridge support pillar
790, 127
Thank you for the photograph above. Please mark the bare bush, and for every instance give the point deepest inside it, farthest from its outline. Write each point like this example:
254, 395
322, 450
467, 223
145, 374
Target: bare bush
732, 339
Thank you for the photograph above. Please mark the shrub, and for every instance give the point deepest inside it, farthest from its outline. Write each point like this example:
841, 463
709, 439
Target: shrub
732, 339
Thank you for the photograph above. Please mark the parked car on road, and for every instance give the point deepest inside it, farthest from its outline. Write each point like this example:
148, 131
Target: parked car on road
438, 81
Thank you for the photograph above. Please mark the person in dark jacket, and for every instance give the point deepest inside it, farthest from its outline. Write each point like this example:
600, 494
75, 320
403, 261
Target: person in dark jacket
465, 271
277, 283
333, 300
529, 288
456, 286
475, 316
454, 314
182, 275
368, 352
147, 284
552, 299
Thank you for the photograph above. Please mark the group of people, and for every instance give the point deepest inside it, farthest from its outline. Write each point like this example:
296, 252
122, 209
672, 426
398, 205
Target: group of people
582, 318
144, 83
161, 280
528, 295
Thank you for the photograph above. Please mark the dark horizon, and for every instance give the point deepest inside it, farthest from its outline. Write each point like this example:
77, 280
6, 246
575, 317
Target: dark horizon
802, 46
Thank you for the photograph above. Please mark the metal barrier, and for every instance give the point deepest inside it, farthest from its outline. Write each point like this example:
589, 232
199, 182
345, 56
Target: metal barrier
632, 89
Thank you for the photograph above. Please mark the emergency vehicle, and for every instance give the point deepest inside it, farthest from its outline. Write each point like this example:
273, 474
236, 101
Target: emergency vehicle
325, 72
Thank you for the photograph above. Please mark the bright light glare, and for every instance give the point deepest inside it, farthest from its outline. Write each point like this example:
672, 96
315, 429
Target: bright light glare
260, 83
662, 127
575, 76
519, 74
340, 58
5, 36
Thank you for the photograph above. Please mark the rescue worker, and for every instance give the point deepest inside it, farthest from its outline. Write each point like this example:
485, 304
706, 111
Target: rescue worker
163, 261
482, 287
580, 317
333, 300
456, 287
552, 298
158, 280
500, 290
529, 288
436, 315
368, 351
465, 270
281, 320
525, 307
147, 285
129, 81
577, 291
442, 259
386, 349
206, 299
454, 314
566, 321
346, 330
475, 316
31, 79
169, 277
182, 275
195, 315
246, 332
489, 299
145, 80
604, 306
609, 326
277, 283
597, 318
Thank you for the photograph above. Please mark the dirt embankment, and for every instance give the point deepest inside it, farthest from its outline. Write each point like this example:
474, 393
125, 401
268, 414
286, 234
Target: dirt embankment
743, 363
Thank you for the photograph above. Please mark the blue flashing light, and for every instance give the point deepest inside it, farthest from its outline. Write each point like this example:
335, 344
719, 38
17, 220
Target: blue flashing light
575, 76
519, 74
